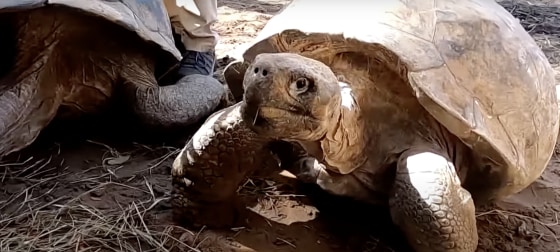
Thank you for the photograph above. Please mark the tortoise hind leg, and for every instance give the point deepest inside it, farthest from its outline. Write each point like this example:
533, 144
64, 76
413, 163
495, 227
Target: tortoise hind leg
429, 205
30, 90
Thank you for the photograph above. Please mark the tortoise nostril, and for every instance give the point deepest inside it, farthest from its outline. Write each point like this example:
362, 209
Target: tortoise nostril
263, 71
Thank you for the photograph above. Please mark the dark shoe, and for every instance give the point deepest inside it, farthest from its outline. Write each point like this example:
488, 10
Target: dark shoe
197, 63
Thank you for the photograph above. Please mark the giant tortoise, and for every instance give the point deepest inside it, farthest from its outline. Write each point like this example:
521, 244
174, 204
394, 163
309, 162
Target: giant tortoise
424, 106
71, 57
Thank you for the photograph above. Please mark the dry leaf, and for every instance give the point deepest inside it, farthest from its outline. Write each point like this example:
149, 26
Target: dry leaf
117, 160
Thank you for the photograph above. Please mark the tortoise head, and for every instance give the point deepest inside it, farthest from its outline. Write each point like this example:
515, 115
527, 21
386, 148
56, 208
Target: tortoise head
289, 97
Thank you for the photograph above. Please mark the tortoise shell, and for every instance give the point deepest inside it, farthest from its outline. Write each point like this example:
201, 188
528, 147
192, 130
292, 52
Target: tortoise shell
148, 18
470, 64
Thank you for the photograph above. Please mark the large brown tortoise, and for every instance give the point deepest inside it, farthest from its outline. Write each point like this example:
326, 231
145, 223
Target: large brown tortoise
71, 57
424, 106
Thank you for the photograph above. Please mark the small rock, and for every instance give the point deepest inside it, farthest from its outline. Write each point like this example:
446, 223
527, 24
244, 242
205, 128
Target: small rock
15, 188
97, 193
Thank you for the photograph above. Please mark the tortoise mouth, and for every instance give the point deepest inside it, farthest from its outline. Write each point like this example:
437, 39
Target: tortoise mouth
273, 122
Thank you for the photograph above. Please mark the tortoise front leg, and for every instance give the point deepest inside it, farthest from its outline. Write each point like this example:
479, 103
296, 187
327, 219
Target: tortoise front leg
429, 205
208, 171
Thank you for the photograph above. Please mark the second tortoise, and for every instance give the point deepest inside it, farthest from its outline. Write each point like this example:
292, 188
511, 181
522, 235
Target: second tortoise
68, 58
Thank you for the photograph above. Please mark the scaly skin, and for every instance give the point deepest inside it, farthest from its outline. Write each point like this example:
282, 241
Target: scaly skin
428, 203
214, 162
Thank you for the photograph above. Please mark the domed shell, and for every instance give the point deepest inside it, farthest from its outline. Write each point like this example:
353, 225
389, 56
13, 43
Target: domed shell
148, 18
470, 63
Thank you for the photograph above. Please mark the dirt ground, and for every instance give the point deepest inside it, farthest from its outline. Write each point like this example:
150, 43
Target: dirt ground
69, 193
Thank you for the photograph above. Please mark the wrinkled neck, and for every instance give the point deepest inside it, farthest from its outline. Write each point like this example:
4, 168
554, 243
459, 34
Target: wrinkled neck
344, 142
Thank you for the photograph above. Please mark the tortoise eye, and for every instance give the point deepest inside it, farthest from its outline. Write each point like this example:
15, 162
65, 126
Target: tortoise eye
301, 85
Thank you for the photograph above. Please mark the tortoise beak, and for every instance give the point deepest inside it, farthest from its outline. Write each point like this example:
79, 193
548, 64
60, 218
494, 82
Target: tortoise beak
250, 112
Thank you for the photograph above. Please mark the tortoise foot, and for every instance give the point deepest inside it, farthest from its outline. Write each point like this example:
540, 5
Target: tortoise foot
196, 214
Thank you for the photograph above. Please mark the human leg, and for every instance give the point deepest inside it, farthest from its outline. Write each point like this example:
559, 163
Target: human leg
192, 20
